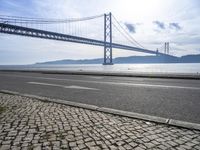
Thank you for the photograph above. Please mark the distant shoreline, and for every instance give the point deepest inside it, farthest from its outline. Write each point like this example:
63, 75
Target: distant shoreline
130, 60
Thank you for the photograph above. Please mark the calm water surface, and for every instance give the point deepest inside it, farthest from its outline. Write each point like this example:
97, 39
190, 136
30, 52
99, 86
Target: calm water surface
132, 68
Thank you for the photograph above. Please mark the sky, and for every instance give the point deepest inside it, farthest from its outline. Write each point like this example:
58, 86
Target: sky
150, 22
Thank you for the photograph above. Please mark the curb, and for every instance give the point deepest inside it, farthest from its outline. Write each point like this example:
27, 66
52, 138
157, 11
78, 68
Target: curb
133, 115
160, 120
116, 74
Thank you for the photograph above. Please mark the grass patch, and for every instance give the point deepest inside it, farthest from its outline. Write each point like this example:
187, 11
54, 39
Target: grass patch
2, 109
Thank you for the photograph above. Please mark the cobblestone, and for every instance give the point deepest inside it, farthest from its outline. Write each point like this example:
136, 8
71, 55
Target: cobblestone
29, 123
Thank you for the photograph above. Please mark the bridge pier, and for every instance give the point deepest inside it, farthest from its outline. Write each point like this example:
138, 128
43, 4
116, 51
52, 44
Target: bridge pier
108, 39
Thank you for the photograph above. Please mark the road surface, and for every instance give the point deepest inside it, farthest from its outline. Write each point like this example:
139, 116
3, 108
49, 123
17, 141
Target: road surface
170, 98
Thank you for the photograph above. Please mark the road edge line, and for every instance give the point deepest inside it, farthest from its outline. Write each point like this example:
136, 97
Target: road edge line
144, 117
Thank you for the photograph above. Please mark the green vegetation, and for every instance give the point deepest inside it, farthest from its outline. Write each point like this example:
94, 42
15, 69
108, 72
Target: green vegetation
2, 109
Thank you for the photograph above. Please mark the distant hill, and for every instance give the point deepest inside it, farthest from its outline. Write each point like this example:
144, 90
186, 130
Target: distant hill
71, 61
146, 59
190, 58
132, 59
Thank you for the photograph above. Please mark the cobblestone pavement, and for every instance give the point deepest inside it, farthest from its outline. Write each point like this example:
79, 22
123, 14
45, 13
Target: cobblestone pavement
27, 123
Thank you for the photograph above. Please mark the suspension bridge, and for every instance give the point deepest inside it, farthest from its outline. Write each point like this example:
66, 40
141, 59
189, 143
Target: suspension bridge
109, 34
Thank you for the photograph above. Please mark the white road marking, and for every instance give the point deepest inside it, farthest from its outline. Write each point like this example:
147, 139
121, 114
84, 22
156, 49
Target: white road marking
92, 77
116, 83
63, 86
159, 86
129, 84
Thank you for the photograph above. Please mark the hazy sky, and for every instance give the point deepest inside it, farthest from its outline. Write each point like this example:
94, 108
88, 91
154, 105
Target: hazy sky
151, 22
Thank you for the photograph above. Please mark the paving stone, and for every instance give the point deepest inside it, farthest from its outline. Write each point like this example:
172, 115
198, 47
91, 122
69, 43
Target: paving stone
15, 148
8, 142
133, 145
90, 144
32, 124
72, 144
5, 147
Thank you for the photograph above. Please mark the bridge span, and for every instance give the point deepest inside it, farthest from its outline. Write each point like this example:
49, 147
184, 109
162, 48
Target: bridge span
7, 27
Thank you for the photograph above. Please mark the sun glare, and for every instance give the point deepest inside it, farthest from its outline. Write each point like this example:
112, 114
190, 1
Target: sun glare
142, 10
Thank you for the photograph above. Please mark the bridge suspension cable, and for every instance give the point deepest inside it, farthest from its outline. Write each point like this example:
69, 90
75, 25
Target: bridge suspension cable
16, 19
127, 34
124, 35
31, 21
69, 30
82, 27
161, 48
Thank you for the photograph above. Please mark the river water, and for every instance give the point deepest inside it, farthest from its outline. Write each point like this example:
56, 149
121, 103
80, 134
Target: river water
191, 68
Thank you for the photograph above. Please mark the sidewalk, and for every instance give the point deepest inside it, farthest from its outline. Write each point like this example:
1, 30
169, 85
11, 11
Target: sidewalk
27, 123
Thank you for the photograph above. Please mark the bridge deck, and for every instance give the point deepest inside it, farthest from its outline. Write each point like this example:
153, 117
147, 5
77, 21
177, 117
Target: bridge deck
24, 31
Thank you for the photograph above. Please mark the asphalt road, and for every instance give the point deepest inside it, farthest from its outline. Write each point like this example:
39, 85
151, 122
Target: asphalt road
170, 98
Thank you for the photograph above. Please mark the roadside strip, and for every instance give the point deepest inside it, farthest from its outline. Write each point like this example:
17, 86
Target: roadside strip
155, 119
117, 74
